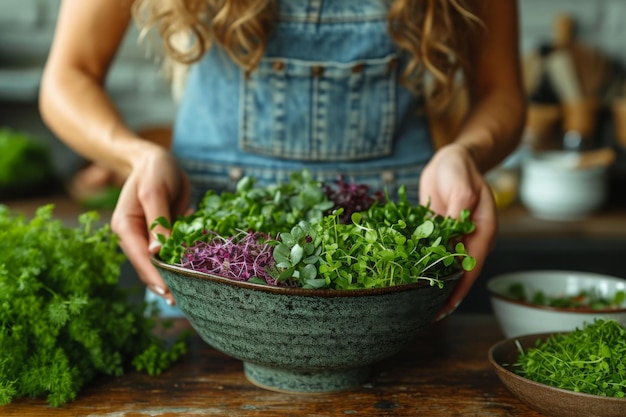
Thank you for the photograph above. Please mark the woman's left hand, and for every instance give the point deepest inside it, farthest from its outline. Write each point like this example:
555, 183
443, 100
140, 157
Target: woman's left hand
450, 183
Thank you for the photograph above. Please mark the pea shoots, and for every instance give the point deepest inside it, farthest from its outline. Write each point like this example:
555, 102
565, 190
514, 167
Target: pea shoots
341, 237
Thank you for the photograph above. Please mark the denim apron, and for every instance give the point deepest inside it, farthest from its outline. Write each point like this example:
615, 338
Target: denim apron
325, 97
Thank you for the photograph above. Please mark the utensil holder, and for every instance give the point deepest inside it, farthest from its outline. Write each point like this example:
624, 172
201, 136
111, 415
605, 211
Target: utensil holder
543, 125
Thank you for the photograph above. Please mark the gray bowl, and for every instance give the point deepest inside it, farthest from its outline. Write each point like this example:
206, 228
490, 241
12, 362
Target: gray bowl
303, 340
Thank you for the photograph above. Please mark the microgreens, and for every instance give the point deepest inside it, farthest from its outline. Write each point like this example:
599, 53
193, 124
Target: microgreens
372, 250
351, 197
242, 257
591, 360
381, 243
271, 210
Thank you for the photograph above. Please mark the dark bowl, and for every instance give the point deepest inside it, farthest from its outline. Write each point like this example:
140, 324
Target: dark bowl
548, 400
304, 340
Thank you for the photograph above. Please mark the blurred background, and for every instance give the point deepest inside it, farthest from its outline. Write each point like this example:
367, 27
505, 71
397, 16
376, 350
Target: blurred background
573, 57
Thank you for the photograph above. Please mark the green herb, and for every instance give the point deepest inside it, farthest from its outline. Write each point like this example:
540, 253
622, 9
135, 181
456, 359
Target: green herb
590, 298
63, 317
590, 360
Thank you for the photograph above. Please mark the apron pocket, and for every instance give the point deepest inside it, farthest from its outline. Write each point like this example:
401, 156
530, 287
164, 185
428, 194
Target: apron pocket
320, 111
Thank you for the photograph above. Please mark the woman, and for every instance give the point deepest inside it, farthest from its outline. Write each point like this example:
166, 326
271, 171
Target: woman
273, 86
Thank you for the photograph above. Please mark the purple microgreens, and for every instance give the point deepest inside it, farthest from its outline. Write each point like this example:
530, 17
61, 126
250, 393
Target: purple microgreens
246, 256
351, 197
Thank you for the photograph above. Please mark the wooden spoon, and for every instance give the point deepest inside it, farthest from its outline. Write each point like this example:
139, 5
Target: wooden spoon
602, 157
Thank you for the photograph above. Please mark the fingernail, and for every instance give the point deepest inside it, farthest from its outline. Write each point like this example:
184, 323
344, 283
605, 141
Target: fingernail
159, 290
447, 313
443, 315
154, 245
170, 302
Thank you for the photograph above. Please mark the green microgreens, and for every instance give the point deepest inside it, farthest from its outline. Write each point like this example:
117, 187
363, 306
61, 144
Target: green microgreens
271, 210
386, 245
591, 360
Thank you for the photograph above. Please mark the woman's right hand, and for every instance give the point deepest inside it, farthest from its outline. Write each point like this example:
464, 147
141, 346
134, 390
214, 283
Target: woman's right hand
155, 187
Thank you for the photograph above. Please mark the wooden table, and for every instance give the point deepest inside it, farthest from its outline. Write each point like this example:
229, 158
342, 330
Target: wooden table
444, 373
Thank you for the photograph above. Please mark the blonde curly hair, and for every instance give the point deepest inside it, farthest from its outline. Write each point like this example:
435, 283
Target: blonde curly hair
436, 34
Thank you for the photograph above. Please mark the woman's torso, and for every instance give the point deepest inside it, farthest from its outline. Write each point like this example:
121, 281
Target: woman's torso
325, 96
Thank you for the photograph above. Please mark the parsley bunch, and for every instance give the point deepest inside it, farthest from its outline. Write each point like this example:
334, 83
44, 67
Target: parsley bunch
63, 317
590, 360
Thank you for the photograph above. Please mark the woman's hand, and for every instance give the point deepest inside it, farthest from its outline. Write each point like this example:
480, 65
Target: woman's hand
450, 183
155, 187
491, 130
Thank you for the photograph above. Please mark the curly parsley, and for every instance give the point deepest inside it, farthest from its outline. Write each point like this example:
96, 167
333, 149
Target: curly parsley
63, 317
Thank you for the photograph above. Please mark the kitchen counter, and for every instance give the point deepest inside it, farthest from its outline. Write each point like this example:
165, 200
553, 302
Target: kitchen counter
444, 373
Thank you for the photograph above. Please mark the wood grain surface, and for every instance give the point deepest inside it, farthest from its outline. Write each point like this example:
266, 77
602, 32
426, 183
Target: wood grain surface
444, 373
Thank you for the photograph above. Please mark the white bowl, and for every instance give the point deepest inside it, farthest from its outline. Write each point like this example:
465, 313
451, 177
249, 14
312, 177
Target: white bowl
552, 188
518, 318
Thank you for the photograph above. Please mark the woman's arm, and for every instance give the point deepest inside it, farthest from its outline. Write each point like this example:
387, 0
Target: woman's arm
73, 102
453, 180
75, 105
497, 104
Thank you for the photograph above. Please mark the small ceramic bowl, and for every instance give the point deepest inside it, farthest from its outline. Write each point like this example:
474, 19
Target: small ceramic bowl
550, 401
519, 317
304, 340
552, 188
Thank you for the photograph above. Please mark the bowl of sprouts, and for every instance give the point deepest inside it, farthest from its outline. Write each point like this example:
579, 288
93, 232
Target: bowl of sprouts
540, 301
310, 284
578, 373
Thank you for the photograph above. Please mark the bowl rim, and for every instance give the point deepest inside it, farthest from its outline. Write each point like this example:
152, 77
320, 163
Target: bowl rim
549, 160
531, 338
556, 273
158, 263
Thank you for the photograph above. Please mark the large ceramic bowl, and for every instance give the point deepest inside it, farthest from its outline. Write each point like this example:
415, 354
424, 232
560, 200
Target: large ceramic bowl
550, 401
303, 340
518, 317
